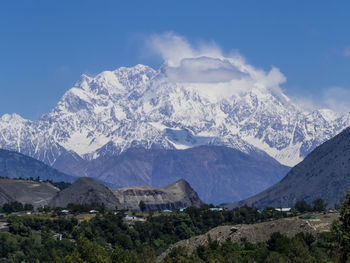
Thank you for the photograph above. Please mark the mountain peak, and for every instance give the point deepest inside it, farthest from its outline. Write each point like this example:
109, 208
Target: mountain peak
140, 107
85, 191
14, 117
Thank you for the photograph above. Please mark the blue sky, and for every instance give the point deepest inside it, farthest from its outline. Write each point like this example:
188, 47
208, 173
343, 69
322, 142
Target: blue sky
46, 45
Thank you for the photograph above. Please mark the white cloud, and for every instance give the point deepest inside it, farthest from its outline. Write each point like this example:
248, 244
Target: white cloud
337, 99
347, 51
174, 48
205, 67
205, 70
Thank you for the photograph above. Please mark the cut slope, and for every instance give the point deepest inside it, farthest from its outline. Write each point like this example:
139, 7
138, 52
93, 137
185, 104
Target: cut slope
85, 191
325, 173
26, 191
177, 195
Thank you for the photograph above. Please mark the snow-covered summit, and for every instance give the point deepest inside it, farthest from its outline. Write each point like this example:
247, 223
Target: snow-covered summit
199, 101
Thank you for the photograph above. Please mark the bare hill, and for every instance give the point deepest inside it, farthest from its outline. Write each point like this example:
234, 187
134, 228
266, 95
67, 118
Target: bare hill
176, 195
26, 191
85, 191
261, 231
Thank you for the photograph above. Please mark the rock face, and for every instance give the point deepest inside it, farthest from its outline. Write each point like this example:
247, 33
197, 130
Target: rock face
85, 191
177, 195
217, 173
325, 173
16, 165
26, 191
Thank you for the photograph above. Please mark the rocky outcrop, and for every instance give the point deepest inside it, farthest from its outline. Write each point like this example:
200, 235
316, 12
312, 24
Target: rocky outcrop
85, 191
177, 195
325, 173
26, 191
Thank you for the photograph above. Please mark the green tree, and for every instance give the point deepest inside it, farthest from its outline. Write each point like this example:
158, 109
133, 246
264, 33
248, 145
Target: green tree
54, 257
342, 229
142, 206
88, 252
278, 242
120, 255
302, 207
319, 205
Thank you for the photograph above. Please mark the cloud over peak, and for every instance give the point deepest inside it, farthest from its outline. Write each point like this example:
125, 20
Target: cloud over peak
205, 67
204, 70
205, 63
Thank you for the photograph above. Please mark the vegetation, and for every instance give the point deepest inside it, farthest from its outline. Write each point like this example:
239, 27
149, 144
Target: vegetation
15, 207
107, 238
142, 206
318, 206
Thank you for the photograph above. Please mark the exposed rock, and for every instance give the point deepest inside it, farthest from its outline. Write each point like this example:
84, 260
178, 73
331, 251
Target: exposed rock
26, 191
177, 195
85, 191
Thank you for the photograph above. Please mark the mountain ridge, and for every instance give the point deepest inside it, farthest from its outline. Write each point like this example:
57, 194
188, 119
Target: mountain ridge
17, 165
324, 174
216, 173
138, 106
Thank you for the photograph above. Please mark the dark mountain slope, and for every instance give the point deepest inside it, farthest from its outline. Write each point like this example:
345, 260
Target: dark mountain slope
15, 165
85, 191
26, 191
325, 173
177, 195
217, 173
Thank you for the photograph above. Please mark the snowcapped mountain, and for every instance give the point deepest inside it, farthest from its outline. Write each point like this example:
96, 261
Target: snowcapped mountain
175, 107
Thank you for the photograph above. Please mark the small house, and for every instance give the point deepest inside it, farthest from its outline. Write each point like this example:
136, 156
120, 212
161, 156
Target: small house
216, 209
284, 209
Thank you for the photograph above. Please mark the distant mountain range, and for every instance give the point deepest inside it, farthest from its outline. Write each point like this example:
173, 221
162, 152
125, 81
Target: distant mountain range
16, 165
324, 173
217, 173
138, 106
103, 117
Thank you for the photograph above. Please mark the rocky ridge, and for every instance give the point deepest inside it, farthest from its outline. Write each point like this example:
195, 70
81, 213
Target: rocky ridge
177, 195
